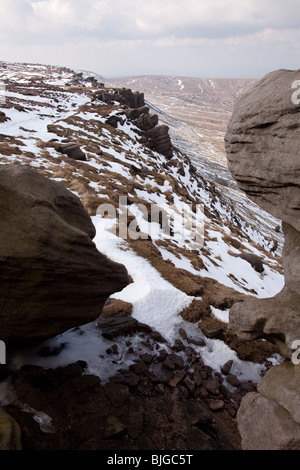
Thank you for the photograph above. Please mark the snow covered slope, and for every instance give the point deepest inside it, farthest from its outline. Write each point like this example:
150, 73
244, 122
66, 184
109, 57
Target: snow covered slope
185, 265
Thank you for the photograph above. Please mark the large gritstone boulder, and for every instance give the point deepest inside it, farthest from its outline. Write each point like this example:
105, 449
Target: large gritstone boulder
52, 277
262, 144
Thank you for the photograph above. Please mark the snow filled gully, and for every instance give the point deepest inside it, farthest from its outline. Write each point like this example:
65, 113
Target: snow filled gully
156, 303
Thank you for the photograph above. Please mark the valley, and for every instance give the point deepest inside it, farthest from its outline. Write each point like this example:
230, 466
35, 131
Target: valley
197, 112
158, 367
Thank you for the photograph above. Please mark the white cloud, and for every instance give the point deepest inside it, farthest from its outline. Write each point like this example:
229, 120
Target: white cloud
157, 35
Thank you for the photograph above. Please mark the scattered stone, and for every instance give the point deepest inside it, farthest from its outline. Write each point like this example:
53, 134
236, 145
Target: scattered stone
203, 393
113, 428
177, 378
197, 342
225, 369
197, 377
168, 363
126, 377
115, 326
147, 345
147, 358
190, 384
254, 260
212, 332
161, 374
183, 333
178, 346
156, 336
212, 386
162, 355
116, 307
177, 360
139, 368
216, 405
233, 380
72, 150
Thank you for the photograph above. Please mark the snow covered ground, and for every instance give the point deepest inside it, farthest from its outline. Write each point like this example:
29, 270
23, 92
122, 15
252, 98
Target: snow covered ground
155, 300
157, 303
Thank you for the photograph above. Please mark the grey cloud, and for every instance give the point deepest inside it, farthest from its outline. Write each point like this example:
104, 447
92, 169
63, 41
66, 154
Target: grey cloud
152, 36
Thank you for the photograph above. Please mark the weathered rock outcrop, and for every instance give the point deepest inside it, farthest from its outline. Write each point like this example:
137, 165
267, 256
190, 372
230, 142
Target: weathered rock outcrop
262, 144
158, 139
124, 96
154, 136
52, 277
270, 419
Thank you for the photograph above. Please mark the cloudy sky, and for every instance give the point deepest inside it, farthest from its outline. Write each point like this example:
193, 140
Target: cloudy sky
200, 38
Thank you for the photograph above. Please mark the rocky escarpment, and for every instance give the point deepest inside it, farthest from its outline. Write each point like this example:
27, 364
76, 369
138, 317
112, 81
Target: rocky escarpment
262, 144
154, 136
123, 96
52, 277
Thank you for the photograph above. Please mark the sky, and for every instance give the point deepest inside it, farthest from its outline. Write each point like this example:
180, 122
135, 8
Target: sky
118, 38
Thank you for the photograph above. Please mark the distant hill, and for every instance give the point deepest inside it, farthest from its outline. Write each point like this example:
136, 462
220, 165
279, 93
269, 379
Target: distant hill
196, 109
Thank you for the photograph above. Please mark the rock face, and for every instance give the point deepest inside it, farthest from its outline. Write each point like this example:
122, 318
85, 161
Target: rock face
277, 405
124, 96
154, 136
262, 144
52, 277
158, 139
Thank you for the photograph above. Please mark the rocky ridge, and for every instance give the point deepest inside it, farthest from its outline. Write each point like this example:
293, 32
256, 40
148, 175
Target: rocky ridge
157, 341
